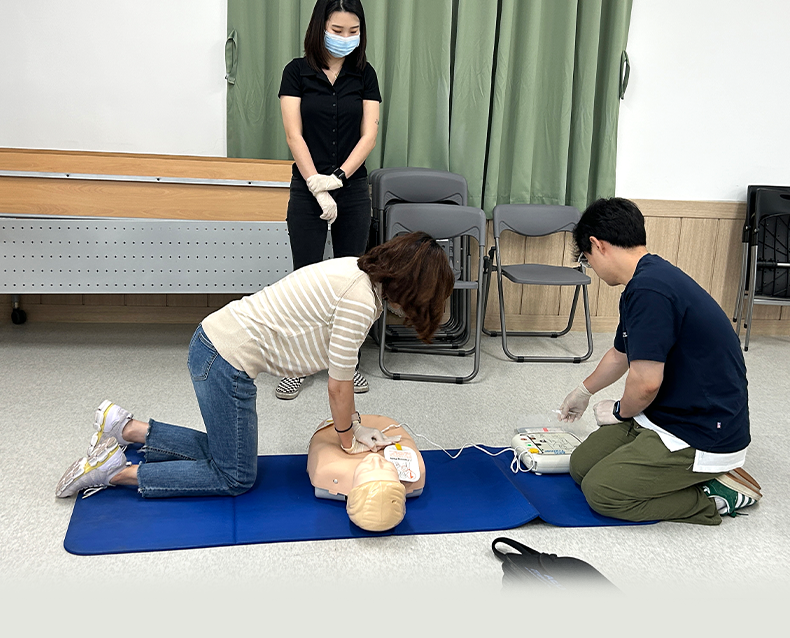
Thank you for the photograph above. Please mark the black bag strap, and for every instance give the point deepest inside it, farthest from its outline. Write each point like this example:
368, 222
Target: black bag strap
519, 547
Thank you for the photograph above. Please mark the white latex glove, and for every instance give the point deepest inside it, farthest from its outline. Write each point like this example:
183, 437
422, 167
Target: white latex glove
356, 447
604, 412
575, 404
372, 438
328, 205
317, 183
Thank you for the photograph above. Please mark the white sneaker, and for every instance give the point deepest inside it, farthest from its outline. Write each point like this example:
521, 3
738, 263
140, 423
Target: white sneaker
93, 472
109, 421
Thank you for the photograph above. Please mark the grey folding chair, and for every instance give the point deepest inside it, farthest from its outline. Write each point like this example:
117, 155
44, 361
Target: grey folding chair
769, 260
748, 245
416, 185
534, 220
441, 221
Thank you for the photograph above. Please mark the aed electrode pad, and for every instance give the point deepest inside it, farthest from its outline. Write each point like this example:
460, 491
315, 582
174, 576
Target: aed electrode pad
405, 460
544, 450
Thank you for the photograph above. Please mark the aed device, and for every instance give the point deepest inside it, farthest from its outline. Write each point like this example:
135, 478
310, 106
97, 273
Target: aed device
544, 450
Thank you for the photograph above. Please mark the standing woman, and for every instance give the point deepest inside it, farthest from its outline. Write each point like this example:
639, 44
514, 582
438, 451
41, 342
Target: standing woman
330, 107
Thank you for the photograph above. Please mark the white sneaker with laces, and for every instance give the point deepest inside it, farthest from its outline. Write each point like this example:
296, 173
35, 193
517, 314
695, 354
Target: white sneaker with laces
109, 421
93, 472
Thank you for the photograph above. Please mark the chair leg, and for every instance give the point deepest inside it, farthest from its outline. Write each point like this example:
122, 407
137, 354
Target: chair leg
741, 286
573, 313
487, 270
536, 359
383, 341
588, 326
476, 349
552, 334
750, 307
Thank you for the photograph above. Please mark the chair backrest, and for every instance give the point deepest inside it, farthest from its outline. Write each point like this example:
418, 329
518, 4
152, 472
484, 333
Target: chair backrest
440, 221
772, 233
771, 201
751, 204
416, 185
534, 220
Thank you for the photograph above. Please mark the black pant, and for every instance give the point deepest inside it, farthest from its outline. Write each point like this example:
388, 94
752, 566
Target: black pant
307, 231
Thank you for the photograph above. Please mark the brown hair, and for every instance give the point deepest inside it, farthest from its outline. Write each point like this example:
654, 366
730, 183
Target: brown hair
314, 49
414, 272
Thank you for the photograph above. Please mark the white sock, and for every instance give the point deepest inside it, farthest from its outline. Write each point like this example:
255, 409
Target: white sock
721, 505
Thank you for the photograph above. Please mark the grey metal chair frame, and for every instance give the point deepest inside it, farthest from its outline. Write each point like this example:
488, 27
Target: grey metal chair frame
771, 204
536, 220
441, 221
415, 185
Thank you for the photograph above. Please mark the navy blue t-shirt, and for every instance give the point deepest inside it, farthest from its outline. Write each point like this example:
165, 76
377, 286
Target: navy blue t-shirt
666, 316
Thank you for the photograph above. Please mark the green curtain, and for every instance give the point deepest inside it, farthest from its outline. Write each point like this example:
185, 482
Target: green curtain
521, 97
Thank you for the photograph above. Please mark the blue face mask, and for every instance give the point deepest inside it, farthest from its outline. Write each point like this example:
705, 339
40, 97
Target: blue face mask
339, 46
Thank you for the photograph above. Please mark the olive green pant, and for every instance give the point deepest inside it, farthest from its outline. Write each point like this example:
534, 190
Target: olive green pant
626, 472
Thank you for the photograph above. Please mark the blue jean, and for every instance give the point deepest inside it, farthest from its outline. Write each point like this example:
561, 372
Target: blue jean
223, 461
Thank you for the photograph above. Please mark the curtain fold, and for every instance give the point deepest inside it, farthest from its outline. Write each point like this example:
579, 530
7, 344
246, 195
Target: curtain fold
409, 46
521, 97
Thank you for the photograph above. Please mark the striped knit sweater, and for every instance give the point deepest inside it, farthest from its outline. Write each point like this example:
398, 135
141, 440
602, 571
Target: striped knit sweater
314, 319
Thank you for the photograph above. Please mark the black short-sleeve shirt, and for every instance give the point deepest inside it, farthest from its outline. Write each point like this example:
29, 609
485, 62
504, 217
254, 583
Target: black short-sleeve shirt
666, 316
331, 114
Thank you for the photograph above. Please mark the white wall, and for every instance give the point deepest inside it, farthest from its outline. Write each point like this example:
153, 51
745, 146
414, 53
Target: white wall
136, 76
707, 111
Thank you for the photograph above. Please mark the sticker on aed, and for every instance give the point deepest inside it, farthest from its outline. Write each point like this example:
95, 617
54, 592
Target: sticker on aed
405, 460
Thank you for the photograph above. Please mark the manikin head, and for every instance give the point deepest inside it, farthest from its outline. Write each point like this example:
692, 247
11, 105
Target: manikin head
377, 500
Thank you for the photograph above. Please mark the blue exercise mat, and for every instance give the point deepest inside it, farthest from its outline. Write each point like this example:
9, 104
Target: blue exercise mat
472, 493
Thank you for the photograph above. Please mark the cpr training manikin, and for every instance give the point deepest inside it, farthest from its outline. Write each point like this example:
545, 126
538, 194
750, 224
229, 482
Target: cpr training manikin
375, 485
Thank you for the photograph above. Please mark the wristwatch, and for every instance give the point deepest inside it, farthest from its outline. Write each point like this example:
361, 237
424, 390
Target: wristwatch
616, 412
340, 174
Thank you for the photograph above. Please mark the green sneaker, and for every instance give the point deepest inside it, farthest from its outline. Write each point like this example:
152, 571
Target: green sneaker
731, 493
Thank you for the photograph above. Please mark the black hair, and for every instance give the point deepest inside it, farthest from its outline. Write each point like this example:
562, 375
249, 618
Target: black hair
615, 220
314, 48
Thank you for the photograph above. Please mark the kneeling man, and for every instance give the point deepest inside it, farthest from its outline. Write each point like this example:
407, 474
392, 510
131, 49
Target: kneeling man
672, 448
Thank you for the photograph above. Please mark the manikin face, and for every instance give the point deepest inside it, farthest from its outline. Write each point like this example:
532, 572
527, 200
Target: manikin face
342, 23
374, 467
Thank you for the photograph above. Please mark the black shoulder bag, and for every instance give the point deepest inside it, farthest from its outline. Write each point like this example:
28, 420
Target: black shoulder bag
527, 567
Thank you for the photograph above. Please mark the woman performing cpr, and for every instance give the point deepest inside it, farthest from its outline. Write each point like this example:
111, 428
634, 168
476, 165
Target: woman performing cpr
314, 319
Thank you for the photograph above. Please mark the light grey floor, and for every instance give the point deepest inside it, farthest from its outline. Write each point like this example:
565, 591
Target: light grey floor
52, 377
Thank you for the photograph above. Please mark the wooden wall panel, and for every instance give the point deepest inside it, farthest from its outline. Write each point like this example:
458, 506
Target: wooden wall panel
566, 292
54, 161
31, 196
697, 248
104, 300
60, 300
513, 252
49, 196
727, 263
542, 300
146, 300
